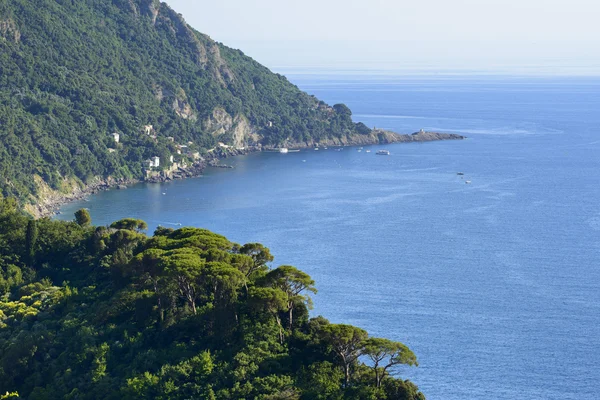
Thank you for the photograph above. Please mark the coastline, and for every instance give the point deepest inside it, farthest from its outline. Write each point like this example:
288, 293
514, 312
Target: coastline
50, 204
377, 136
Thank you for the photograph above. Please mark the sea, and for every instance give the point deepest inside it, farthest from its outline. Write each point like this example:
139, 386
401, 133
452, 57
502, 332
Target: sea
492, 277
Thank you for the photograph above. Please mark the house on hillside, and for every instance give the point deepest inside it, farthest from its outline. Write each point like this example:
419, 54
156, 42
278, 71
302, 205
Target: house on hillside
116, 137
153, 162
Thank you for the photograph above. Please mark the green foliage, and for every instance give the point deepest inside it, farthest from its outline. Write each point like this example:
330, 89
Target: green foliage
111, 313
385, 354
83, 70
83, 217
131, 224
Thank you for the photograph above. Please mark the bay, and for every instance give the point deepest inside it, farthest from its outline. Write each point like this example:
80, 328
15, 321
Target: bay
494, 285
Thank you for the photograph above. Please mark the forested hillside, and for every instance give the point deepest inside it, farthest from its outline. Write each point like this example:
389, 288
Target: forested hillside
73, 73
109, 313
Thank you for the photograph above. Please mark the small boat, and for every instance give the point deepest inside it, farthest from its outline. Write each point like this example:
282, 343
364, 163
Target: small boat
283, 150
468, 182
303, 160
368, 151
316, 148
359, 150
383, 152
460, 173
324, 148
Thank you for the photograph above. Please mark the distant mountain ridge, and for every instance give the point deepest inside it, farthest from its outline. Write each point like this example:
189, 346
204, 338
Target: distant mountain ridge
74, 73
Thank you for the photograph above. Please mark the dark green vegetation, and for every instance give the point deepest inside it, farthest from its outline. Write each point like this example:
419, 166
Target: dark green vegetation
74, 72
110, 313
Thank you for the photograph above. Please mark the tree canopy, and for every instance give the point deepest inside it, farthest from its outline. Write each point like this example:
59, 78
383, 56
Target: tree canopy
107, 312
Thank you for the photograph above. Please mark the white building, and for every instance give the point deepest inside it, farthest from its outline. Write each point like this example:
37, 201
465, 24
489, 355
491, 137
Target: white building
116, 136
148, 129
171, 159
153, 162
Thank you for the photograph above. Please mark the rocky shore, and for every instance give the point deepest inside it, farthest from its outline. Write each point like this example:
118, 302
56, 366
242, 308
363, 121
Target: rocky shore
51, 200
377, 136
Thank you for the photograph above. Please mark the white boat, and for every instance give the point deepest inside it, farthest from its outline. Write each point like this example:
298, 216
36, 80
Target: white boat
368, 151
468, 182
383, 152
283, 150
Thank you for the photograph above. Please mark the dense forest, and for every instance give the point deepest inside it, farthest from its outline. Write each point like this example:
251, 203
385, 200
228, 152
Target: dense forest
108, 312
72, 73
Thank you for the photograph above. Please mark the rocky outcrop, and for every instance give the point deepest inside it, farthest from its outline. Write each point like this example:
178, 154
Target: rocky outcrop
169, 19
205, 51
49, 200
219, 122
377, 136
221, 71
240, 131
152, 7
182, 108
244, 134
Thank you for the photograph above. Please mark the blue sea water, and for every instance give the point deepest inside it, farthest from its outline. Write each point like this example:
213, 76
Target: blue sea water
495, 285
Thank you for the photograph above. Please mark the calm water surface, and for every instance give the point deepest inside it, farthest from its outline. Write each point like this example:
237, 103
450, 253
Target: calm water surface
495, 285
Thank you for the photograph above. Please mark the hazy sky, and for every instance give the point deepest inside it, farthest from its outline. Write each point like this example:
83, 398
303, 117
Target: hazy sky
437, 34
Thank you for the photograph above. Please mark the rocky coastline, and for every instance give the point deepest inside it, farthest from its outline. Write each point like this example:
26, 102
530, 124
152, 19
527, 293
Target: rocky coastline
377, 136
53, 200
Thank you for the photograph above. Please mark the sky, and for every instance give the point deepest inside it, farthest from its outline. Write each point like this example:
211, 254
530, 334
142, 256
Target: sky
436, 35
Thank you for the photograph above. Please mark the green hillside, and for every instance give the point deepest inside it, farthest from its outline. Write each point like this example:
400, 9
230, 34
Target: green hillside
72, 73
110, 313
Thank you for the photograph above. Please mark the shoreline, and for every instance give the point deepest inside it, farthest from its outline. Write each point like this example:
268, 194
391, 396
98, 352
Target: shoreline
51, 205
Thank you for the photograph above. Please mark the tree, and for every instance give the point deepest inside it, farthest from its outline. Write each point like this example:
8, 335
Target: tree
386, 354
271, 300
343, 110
185, 266
292, 282
347, 342
149, 268
260, 254
223, 281
82, 217
130, 224
31, 236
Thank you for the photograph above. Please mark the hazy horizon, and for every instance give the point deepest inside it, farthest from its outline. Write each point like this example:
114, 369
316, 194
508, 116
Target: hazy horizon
526, 37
